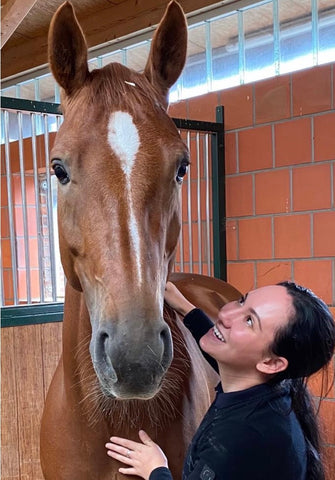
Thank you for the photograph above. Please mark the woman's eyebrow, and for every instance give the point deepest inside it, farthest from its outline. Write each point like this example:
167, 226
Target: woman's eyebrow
257, 316
254, 312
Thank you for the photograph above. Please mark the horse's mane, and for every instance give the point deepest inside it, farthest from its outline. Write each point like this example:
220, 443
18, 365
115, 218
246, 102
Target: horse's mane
115, 87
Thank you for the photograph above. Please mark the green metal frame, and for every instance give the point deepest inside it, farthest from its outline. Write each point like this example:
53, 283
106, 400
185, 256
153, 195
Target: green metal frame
53, 312
31, 314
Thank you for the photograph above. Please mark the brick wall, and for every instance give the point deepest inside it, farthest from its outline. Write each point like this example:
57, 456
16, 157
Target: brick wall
280, 188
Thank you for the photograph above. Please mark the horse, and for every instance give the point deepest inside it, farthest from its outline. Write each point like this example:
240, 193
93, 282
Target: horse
127, 361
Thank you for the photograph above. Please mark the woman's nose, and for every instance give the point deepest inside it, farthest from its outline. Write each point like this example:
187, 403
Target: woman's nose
225, 317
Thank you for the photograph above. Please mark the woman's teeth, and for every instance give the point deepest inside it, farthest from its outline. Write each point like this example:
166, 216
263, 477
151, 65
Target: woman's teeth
218, 334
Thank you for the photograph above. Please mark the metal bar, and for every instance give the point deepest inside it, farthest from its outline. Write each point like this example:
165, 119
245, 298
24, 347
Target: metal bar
31, 314
49, 208
196, 125
276, 37
24, 208
209, 69
181, 241
199, 203
315, 32
241, 46
37, 206
189, 211
10, 210
208, 238
29, 105
218, 192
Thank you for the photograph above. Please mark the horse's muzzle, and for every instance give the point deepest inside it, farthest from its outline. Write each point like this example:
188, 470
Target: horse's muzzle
130, 362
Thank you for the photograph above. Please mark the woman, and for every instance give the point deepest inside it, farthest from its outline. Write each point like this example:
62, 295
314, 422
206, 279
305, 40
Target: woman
261, 425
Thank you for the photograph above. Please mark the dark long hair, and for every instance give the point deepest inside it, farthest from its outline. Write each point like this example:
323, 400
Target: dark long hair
307, 342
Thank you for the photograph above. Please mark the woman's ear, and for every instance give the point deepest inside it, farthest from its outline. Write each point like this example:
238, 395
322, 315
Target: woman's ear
272, 365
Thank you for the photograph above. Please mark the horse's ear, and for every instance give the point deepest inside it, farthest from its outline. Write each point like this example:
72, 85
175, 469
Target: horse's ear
168, 50
67, 49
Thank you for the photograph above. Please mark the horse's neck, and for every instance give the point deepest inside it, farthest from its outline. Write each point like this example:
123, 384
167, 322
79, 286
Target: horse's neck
82, 384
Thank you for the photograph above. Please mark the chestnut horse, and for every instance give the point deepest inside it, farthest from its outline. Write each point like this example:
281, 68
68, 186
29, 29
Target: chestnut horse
120, 162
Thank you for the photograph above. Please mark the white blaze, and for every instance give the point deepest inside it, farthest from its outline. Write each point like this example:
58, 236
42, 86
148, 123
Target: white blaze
124, 140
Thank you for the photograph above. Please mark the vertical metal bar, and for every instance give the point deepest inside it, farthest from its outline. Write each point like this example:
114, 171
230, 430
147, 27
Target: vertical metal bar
276, 37
10, 210
37, 207
209, 68
57, 93
199, 203
2, 299
241, 46
49, 207
189, 211
208, 238
219, 204
315, 32
181, 243
24, 208
37, 89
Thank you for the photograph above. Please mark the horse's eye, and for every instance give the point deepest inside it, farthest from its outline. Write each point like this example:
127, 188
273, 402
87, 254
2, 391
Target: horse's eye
60, 172
182, 170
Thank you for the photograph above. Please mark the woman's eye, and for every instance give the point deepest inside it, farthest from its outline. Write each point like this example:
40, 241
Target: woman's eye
250, 322
182, 170
61, 173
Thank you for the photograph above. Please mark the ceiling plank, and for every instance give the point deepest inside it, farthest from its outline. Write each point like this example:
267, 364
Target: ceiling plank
104, 25
13, 12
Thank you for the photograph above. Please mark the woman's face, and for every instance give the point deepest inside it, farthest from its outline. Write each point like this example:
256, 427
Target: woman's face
245, 328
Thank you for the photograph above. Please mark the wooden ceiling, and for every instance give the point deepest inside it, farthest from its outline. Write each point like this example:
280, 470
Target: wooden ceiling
25, 23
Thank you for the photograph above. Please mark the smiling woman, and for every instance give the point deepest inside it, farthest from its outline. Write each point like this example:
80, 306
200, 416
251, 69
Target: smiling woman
262, 423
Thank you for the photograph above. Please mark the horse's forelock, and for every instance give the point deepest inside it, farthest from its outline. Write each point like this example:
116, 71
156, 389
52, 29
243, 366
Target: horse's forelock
115, 87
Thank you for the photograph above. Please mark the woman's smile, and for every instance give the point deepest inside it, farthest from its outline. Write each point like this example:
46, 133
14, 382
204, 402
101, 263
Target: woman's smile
218, 334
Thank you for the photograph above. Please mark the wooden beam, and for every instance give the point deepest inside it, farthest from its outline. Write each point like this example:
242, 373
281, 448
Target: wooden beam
13, 12
107, 24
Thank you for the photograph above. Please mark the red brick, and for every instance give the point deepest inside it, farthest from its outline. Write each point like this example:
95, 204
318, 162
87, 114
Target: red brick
231, 238
29, 190
292, 236
272, 190
4, 222
311, 187
255, 238
239, 196
8, 286
4, 197
316, 275
237, 102
311, 90
270, 273
255, 149
6, 253
31, 221
33, 253
324, 138
324, 234
203, 107
322, 382
328, 455
293, 142
241, 276
230, 153
178, 109
327, 415
272, 99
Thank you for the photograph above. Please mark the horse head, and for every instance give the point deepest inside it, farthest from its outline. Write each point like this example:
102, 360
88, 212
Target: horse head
120, 161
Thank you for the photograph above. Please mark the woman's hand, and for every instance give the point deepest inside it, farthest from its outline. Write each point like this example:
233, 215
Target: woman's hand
142, 458
176, 299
